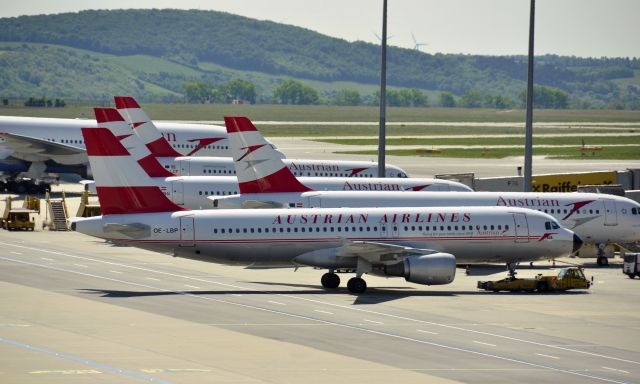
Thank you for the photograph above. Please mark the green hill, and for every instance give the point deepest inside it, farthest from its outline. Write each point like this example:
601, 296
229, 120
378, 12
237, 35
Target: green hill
151, 53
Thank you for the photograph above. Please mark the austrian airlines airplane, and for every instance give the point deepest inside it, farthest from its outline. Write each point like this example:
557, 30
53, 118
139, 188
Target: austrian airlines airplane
599, 219
208, 166
35, 147
193, 191
419, 244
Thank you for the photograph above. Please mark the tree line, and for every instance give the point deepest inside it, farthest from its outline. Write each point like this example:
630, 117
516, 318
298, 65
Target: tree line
240, 91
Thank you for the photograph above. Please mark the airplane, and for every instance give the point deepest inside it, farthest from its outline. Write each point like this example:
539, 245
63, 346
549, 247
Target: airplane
193, 191
211, 166
598, 219
32, 148
419, 244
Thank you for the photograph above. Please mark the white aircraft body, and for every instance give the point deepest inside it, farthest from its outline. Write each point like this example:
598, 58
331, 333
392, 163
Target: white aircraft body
598, 219
212, 166
419, 244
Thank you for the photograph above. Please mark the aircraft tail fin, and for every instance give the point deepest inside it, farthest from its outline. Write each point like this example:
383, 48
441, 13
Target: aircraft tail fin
259, 167
122, 185
111, 119
144, 127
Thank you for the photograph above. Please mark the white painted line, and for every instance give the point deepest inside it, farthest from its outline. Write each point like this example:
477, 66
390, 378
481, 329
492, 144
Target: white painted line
429, 332
374, 322
46, 258
236, 294
15, 253
616, 370
81, 265
152, 278
321, 311
480, 342
549, 356
276, 302
191, 286
118, 272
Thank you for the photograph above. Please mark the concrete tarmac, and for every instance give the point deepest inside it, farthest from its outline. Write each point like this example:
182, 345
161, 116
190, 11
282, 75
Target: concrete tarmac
78, 309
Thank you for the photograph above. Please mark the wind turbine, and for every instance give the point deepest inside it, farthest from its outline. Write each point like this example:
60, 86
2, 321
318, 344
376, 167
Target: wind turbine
416, 44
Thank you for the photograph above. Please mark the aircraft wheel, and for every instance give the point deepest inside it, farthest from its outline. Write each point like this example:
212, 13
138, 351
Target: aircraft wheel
602, 261
356, 285
632, 275
330, 280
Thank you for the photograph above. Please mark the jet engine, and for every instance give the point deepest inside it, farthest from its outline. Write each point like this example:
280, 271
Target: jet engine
434, 269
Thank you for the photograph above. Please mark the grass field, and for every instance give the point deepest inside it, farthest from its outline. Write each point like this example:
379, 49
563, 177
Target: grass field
572, 140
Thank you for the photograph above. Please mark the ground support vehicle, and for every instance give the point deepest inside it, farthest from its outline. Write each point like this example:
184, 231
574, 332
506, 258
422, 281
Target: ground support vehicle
630, 266
567, 278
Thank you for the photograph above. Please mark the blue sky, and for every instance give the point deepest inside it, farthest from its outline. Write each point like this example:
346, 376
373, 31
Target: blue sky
587, 28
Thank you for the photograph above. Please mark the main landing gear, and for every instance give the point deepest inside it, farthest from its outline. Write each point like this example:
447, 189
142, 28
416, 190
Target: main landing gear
512, 270
602, 260
356, 285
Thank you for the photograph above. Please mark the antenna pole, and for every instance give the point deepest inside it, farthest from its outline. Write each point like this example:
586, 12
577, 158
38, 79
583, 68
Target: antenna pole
383, 90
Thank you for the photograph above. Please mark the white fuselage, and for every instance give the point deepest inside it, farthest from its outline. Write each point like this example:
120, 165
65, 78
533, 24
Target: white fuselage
215, 166
596, 218
193, 191
278, 236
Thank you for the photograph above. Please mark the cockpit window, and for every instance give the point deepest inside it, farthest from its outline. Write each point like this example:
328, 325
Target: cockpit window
549, 225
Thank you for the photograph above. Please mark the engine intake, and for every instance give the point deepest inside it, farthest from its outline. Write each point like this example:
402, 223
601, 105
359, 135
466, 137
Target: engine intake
434, 269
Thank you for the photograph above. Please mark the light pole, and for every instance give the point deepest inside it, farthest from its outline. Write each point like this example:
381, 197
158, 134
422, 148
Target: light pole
383, 91
528, 135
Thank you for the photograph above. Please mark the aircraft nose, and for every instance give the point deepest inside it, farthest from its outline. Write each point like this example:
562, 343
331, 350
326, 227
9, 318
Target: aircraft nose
577, 243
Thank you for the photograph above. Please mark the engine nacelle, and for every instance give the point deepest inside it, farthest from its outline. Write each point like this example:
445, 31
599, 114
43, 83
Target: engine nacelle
434, 269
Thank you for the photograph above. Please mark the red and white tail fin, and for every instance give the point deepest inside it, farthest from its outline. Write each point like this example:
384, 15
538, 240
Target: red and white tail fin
111, 119
259, 167
122, 186
144, 127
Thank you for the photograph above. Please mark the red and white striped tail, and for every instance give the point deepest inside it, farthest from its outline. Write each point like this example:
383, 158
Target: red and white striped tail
144, 127
111, 119
122, 186
259, 167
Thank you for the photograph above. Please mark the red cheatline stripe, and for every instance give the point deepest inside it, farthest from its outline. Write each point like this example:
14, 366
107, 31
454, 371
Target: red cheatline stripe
101, 142
238, 124
127, 199
319, 240
280, 181
161, 148
123, 102
106, 115
151, 166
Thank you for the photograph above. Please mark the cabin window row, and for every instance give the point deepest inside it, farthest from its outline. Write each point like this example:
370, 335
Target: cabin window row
361, 229
565, 211
330, 174
219, 171
218, 193
194, 146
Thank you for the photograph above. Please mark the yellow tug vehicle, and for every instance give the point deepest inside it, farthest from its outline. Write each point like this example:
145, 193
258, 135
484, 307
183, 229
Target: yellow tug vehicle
567, 278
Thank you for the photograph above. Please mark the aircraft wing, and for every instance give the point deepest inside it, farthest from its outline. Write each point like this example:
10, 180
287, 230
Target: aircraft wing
33, 149
379, 253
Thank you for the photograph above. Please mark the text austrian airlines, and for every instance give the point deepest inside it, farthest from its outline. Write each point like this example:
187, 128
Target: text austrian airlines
364, 240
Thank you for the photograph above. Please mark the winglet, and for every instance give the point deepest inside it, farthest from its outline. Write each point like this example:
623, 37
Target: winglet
144, 127
122, 185
258, 166
111, 119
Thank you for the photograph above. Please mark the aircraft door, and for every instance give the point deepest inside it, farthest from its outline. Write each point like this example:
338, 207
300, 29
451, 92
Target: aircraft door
521, 227
314, 202
185, 168
187, 232
610, 213
177, 192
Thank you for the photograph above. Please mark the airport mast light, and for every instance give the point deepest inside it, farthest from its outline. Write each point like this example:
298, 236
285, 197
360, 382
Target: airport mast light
383, 91
528, 137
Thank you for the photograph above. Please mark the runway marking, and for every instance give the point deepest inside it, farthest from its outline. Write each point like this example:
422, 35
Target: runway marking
483, 343
81, 265
307, 318
94, 364
324, 303
15, 325
275, 302
236, 294
46, 259
373, 321
616, 370
15, 253
152, 278
118, 272
429, 332
192, 286
68, 372
161, 370
321, 311
549, 356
